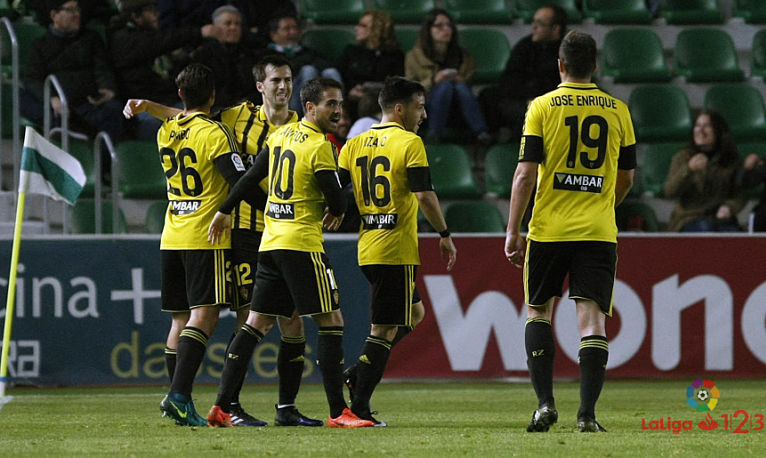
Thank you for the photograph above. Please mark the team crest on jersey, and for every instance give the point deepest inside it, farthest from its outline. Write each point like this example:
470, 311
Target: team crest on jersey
281, 211
576, 182
238, 164
184, 207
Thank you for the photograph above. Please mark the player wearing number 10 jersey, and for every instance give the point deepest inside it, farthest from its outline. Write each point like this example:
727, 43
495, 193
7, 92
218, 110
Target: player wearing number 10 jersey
578, 149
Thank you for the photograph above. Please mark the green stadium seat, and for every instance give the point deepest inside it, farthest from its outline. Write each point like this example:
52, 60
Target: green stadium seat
332, 11
499, 166
329, 42
636, 216
451, 172
490, 49
617, 12
679, 12
655, 166
406, 38
706, 55
474, 216
405, 11
752, 11
525, 9
155, 217
84, 218
758, 55
742, 107
633, 56
660, 113
140, 172
479, 11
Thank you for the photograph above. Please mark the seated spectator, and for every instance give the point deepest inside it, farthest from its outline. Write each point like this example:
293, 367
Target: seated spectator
231, 61
256, 15
369, 113
376, 56
703, 179
140, 56
755, 174
307, 64
77, 57
531, 71
444, 68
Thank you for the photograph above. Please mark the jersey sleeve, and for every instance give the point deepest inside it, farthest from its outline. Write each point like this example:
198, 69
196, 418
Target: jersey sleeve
416, 154
343, 157
221, 141
533, 120
629, 135
325, 158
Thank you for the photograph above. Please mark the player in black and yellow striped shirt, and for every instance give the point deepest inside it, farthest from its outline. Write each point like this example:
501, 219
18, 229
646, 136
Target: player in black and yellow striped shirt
578, 149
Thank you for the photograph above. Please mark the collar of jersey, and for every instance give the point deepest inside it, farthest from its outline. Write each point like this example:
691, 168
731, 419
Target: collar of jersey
184, 119
386, 125
579, 85
311, 126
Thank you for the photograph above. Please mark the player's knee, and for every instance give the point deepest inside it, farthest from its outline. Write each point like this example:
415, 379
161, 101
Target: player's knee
418, 313
291, 327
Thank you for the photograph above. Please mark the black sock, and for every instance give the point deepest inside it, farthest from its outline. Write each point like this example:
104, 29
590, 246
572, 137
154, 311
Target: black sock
594, 352
330, 361
189, 355
170, 362
370, 368
401, 333
235, 399
541, 350
290, 367
237, 359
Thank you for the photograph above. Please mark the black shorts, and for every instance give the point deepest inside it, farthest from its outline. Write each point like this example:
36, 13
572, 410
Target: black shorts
287, 280
244, 261
392, 293
591, 267
195, 278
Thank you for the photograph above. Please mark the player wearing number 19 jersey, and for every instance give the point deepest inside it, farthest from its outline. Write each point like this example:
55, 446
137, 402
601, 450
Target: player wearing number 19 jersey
578, 150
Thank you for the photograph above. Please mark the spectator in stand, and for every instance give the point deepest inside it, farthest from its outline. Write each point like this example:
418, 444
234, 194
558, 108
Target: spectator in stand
376, 56
369, 113
307, 64
444, 68
140, 55
77, 57
703, 178
531, 71
231, 61
755, 174
256, 15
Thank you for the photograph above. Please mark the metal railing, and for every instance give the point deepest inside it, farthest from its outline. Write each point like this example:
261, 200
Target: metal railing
15, 110
51, 80
103, 139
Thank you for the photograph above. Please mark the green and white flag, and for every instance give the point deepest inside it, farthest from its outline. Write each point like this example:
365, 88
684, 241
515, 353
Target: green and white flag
47, 169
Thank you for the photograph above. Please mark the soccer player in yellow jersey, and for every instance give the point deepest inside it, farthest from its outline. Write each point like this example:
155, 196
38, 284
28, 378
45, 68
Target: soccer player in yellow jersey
252, 124
294, 272
200, 158
578, 148
388, 169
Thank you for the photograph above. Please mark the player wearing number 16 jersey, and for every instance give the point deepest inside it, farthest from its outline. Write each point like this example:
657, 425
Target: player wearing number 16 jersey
578, 149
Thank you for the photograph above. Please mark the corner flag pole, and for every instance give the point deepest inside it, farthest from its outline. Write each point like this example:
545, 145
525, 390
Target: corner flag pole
9, 303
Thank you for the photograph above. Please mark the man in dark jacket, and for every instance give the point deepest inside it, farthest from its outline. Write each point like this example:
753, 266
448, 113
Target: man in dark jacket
77, 57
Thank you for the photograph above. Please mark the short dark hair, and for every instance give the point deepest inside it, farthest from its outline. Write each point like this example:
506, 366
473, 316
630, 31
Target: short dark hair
559, 16
275, 59
197, 84
398, 89
312, 91
274, 21
578, 53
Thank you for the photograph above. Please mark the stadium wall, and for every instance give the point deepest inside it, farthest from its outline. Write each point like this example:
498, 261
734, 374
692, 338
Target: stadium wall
88, 313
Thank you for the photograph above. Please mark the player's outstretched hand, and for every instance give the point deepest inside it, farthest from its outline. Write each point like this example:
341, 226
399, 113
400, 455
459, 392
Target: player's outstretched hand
448, 251
515, 248
330, 221
134, 107
220, 225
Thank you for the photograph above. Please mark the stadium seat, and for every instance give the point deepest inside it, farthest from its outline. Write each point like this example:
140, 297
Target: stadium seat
525, 9
655, 166
406, 38
451, 172
479, 11
499, 166
690, 12
633, 56
329, 42
617, 12
636, 216
758, 55
405, 11
332, 11
742, 107
752, 11
155, 217
490, 49
660, 113
706, 55
84, 218
474, 216
140, 172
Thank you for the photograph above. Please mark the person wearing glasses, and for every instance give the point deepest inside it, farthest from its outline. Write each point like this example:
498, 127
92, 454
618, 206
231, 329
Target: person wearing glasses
444, 68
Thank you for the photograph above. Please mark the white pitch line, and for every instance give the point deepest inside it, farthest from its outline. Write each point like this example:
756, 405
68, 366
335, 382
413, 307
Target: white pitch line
5, 400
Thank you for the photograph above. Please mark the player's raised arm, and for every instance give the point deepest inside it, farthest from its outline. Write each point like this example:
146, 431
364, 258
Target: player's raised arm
134, 107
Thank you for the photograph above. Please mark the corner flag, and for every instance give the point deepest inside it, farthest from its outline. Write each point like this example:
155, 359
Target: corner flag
45, 169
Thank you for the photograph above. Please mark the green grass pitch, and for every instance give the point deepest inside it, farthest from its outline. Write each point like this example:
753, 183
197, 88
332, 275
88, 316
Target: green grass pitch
442, 420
